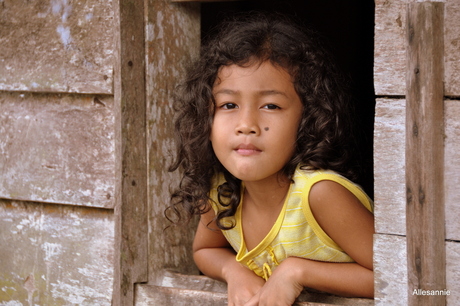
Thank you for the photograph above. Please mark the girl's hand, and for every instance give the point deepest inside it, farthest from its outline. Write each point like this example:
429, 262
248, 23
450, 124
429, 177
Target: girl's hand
242, 284
215, 258
282, 287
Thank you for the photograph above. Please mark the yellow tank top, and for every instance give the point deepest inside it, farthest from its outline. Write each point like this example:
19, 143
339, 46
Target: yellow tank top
295, 232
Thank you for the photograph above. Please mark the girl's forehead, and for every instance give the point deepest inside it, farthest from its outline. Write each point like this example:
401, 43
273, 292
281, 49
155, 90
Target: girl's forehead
254, 81
252, 71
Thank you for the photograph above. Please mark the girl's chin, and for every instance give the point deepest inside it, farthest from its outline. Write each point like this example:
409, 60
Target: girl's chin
253, 175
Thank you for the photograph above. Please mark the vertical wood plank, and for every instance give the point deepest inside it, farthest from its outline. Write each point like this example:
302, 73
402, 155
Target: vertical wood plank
424, 153
390, 270
131, 199
173, 41
390, 167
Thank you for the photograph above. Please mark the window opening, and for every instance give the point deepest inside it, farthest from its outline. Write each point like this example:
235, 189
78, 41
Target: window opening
348, 27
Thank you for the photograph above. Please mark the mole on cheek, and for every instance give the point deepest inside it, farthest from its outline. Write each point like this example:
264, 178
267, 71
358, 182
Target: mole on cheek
267, 128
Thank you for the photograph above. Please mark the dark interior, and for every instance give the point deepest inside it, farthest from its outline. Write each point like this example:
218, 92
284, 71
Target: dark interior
348, 26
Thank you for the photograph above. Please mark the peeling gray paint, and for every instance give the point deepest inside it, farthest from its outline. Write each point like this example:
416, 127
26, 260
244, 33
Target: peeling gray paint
57, 148
390, 166
390, 262
56, 46
452, 170
389, 158
390, 47
55, 254
173, 39
452, 47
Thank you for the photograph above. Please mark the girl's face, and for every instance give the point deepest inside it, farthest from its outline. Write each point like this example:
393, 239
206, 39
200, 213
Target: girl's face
257, 114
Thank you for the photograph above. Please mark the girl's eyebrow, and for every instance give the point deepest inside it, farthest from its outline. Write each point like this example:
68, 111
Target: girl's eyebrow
272, 93
262, 93
226, 92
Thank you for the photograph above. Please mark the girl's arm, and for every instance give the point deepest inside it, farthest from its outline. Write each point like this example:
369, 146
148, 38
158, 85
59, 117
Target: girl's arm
215, 258
340, 214
343, 218
293, 274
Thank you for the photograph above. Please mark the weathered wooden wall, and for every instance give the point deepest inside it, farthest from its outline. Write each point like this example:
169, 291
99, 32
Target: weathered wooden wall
57, 152
390, 145
71, 156
57, 148
173, 40
55, 254
56, 46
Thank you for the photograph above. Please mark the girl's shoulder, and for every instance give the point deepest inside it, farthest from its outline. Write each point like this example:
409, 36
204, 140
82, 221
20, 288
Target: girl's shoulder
305, 178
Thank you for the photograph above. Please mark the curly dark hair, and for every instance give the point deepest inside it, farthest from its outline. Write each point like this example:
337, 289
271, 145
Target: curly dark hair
323, 138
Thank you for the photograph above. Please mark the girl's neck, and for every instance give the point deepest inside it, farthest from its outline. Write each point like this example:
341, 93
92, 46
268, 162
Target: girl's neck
268, 193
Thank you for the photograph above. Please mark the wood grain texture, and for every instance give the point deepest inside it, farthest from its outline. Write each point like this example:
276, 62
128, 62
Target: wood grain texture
389, 166
389, 47
452, 168
55, 254
452, 47
453, 272
57, 148
424, 152
390, 270
131, 157
56, 46
173, 41
180, 289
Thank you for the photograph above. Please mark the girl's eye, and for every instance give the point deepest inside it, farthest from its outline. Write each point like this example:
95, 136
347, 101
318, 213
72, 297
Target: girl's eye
229, 106
271, 106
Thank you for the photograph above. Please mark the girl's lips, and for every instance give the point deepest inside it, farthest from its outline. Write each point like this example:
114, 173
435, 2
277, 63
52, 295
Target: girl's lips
247, 149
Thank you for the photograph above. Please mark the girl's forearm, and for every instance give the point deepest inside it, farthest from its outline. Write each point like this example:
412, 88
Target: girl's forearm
217, 263
344, 279
221, 264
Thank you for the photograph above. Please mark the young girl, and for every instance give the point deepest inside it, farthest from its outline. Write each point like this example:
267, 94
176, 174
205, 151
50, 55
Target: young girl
263, 141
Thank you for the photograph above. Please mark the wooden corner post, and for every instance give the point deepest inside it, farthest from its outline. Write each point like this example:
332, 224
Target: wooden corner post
131, 235
425, 219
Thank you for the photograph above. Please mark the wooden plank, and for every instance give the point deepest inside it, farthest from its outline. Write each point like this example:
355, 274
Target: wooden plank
155, 295
453, 272
452, 46
55, 254
389, 50
424, 152
192, 282
56, 46
452, 168
57, 148
173, 40
158, 295
389, 166
131, 194
390, 270
208, 288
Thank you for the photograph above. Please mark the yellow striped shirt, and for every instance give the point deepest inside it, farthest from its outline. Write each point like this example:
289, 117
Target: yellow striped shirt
295, 232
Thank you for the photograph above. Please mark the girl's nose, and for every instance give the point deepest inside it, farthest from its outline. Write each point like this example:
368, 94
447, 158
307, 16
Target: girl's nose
248, 123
